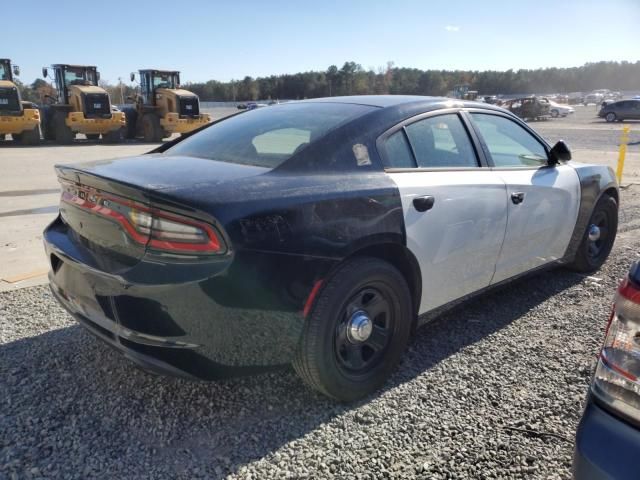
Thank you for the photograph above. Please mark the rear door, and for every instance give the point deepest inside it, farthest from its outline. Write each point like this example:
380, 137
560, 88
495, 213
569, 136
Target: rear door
454, 208
542, 200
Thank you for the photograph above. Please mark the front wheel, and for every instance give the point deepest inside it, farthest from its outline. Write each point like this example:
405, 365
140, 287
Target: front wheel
357, 330
151, 128
599, 236
611, 117
555, 113
114, 136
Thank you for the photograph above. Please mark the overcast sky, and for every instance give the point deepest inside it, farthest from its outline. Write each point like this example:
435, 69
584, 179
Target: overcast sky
229, 40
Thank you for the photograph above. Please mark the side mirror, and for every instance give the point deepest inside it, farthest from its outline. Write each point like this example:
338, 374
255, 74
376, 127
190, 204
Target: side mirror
132, 76
44, 72
16, 70
559, 153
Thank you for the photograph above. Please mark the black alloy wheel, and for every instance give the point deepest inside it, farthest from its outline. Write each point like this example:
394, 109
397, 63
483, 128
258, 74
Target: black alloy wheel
364, 332
356, 331
598, 238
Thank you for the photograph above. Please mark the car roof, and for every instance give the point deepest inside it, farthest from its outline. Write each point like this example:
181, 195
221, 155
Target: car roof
385, 101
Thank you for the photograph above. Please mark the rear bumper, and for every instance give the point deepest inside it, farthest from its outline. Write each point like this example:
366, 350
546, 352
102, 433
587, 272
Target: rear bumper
77, 122
228, 320
17, 124
606, 447
172, 122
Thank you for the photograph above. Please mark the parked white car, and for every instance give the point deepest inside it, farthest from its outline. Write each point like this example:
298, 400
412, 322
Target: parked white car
558, 110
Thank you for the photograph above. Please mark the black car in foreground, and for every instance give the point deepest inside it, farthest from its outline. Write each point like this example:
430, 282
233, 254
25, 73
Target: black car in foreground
620, 110
316, 233
608, 438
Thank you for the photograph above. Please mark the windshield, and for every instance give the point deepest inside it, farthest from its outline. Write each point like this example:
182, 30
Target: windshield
266, 137
79, 76
5, 72
165, 80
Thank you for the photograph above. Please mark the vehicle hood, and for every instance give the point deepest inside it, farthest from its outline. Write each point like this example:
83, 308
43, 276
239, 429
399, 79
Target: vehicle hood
159, 172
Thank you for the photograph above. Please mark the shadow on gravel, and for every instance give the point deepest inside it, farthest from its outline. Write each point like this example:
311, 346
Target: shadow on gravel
69, 404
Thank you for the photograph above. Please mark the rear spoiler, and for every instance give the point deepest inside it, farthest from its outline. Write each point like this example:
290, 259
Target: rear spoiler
167, 145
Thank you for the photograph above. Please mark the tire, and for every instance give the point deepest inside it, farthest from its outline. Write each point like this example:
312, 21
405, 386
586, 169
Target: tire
31, 137
591, 253
610, 117
16, 137
328, 358
152, 131
115, 136
555, 113
92, 136
61, 132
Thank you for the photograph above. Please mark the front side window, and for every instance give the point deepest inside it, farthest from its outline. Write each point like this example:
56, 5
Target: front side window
4, 72
441, 141
508, 143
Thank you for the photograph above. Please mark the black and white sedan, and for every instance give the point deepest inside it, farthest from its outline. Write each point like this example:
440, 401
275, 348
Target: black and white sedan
317, 233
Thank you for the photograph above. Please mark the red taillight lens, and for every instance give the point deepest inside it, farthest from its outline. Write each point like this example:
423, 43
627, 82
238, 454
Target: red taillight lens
155, 228
617, 378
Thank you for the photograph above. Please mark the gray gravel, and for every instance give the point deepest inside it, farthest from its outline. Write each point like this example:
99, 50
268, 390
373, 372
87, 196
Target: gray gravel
492, 389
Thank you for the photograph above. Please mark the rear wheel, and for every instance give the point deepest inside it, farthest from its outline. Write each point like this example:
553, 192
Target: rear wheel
610, 117
62, 133
31, 137
555, 113
92, 136
357, 330
599, 236
151, 128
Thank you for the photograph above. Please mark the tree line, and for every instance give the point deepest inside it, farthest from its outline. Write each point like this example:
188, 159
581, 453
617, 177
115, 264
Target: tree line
352, 79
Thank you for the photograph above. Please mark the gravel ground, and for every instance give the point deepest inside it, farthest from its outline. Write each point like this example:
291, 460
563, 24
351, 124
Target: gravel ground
491, 389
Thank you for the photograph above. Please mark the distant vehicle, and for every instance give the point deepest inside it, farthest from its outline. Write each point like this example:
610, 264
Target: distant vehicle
18, 118
81, 106
637, 97
575, 98
608, 437
162, 107
254, 105
556, 110
529, 108
620, 110
596, 98
241, 106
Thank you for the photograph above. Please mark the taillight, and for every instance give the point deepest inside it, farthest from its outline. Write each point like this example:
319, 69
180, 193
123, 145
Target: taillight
155, 228
617, 378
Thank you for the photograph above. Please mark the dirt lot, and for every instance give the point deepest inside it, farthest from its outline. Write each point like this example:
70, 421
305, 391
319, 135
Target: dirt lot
492, 389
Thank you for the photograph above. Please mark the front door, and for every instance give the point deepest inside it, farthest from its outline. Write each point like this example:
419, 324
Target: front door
455, 211
542, 200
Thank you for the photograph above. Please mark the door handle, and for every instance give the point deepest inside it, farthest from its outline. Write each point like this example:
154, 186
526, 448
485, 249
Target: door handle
517, 198
424, 203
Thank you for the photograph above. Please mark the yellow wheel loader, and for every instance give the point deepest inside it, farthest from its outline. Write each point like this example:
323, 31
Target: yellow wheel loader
80, 107
162, 108
19, 119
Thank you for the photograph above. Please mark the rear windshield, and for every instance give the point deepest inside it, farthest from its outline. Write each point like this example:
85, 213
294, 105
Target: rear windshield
268, 136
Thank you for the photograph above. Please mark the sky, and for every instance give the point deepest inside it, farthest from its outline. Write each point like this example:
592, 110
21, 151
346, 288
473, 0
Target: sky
225, 40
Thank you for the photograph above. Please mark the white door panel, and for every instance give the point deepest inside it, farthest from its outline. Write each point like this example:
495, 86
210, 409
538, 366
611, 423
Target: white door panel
539, 228
457, 241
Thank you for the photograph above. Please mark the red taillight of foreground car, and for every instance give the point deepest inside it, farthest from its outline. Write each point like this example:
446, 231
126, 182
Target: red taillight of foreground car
617, 378
155, 228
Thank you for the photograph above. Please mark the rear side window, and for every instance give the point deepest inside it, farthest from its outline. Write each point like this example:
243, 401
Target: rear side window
398, 151
441, 141
267, 137
509, 144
